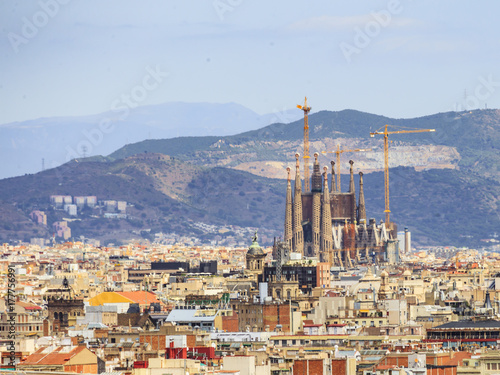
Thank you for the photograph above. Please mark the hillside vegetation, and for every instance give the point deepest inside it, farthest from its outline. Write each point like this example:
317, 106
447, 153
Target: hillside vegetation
444, 185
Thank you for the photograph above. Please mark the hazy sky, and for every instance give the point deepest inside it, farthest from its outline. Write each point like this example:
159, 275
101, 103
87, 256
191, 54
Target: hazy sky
394, 58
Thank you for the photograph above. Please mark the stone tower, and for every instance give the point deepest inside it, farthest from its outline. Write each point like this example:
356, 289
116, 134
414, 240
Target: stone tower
361, 205
326, 221
288, 213
63, 308
333, 182
384, 291
316, 207
298, 232
352, 190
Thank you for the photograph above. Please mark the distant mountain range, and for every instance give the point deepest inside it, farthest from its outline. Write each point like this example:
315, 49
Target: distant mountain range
57, 140
467, 141
444, 185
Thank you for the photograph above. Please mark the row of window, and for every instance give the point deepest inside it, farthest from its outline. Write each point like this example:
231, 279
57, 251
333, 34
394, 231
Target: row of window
254, 320
493, 366
306, 342
251, 311
60, 315
21, 318
22, 328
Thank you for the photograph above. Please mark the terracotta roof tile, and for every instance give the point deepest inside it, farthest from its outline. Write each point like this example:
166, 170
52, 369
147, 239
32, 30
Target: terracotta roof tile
59, 356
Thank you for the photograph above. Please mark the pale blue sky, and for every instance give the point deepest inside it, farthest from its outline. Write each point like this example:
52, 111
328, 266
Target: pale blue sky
265, 55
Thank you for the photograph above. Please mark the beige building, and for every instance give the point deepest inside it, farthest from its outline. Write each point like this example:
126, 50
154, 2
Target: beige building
412, 287
160, 366
484, 364
29, 320
246, 365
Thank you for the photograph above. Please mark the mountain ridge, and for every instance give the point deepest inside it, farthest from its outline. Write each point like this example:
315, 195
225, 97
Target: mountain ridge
57, 140
444, 187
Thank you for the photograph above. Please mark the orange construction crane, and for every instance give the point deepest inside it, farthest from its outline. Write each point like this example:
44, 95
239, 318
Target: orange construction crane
306, 110
337, 153
386, 160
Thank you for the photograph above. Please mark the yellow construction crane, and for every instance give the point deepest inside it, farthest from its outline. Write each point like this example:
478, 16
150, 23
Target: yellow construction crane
306, 110
337, 153
386, 160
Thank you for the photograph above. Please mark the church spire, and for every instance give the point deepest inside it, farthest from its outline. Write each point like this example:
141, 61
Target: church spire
298, 232
334, 189
352, 190
351, 182
316, 176
361, 205
326, 222
288, 212
316, 207
298, 181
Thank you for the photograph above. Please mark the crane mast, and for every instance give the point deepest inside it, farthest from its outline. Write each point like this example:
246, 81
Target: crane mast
386, 133
306, 110
337, 153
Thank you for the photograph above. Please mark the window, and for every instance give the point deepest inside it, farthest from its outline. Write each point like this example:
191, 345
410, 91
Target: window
493, 366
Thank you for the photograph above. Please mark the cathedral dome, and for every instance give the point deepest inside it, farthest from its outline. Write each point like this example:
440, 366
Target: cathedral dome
254, 248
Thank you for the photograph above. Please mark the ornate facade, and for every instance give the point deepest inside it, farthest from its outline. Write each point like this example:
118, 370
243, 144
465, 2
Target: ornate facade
332, 225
